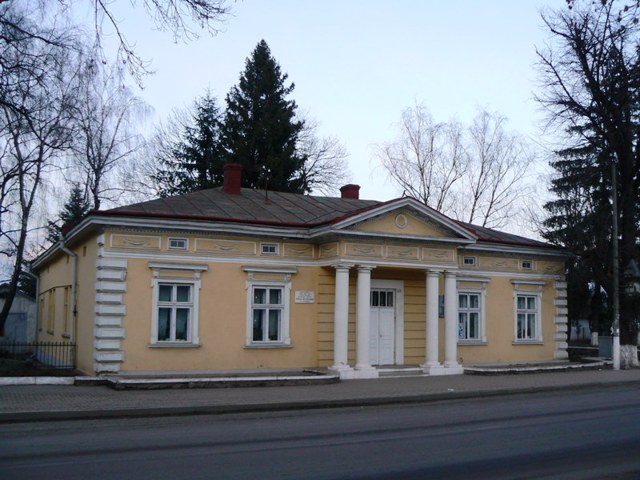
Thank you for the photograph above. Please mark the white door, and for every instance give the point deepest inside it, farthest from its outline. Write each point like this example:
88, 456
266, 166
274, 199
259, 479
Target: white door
382, 330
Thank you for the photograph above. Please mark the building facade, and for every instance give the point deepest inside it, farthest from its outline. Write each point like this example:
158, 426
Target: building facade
238, 279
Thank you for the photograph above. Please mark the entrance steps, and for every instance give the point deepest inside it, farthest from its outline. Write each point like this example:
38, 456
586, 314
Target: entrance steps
400, 371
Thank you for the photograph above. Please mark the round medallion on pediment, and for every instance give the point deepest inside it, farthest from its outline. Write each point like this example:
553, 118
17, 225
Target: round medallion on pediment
401, 220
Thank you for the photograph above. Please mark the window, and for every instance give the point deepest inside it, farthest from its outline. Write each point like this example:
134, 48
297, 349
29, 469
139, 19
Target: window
268, 306
67, 311
51, 313
527, 265
177, 244
527, 318
469, 315
175, 310
469, 261
175, 304
382, 298
269, 248
267, 312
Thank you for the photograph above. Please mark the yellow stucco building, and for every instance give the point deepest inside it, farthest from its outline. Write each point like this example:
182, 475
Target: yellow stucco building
233, 278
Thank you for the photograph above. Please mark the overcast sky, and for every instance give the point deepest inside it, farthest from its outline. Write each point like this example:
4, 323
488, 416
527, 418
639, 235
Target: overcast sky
357, 64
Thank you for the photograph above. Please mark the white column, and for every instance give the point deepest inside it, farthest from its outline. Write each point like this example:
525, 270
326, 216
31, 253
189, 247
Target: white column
451, 324
341, 323
432, 365
363, 311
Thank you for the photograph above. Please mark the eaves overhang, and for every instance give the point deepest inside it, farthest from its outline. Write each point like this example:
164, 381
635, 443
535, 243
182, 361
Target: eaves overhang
334, 233
497, 247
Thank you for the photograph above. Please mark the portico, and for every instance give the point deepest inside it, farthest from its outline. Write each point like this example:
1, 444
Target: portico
364, 301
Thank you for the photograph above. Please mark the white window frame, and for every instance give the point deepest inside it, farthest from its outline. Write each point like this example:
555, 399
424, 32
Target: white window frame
178, 239
480, 311
481, 293
523, 264
472, 261
534, 289
265, 245
285, 336
479, 287
173, 305
162, 275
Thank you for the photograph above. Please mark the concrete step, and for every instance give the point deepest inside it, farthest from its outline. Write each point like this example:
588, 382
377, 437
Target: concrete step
400, 371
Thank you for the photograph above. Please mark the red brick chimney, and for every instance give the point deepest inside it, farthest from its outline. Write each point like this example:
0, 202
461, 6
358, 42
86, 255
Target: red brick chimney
350, 191
232, 178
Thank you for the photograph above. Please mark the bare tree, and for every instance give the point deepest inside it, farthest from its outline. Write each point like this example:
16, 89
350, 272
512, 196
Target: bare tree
105, 140
498, 161
176, 16
473, 174
325, 169
427, 159
35, 119
182, 18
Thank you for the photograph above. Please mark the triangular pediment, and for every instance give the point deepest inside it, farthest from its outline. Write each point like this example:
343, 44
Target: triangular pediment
406, 218
404, 222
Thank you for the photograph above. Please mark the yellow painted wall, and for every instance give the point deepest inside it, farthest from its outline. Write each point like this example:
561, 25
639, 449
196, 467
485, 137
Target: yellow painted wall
500, 330
499, 310
86, 292
54, 277
222, 324
223, 302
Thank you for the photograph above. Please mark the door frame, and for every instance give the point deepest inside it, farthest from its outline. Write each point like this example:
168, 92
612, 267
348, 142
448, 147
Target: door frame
398, 287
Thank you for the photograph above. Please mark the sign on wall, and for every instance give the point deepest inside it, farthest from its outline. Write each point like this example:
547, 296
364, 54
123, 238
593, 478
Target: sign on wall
305, 296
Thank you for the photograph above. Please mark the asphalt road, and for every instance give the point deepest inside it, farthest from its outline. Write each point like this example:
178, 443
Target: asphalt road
573, 435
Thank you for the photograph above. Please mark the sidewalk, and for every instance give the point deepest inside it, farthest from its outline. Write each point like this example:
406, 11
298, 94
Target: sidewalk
55, 402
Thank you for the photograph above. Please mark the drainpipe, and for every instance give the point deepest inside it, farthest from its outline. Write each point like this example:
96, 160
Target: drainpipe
74, 278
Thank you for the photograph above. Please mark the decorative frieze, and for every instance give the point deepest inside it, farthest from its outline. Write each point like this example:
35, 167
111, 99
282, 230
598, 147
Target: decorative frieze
437, 255
328, 250
300, 250
364, 250
498, 263
140, 242
400, 252
225, 247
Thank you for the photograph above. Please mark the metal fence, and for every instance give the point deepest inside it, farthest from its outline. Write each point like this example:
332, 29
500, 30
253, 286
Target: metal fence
50, 354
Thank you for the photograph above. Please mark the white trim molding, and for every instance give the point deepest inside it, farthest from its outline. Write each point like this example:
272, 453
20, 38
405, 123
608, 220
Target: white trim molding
284, 285
110, 310
528, 288
160, 277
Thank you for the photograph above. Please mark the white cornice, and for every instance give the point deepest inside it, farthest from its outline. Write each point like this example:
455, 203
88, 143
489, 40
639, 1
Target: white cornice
516, 249
386, 236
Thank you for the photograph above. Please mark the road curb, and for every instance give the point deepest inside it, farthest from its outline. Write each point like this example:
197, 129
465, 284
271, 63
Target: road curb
13, 381
40, 416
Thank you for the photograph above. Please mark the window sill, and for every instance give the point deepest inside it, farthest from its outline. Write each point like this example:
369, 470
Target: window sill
259, 346
528, 342
174, 345
472, 342
66, 335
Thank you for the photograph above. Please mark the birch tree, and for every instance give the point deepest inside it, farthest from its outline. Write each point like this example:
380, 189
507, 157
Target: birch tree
475, 174
106, 138
38, 90
427, 159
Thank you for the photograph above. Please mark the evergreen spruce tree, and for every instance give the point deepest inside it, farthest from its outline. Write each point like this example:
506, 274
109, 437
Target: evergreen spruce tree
580, 221
195, 161
260, 129
76, 208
